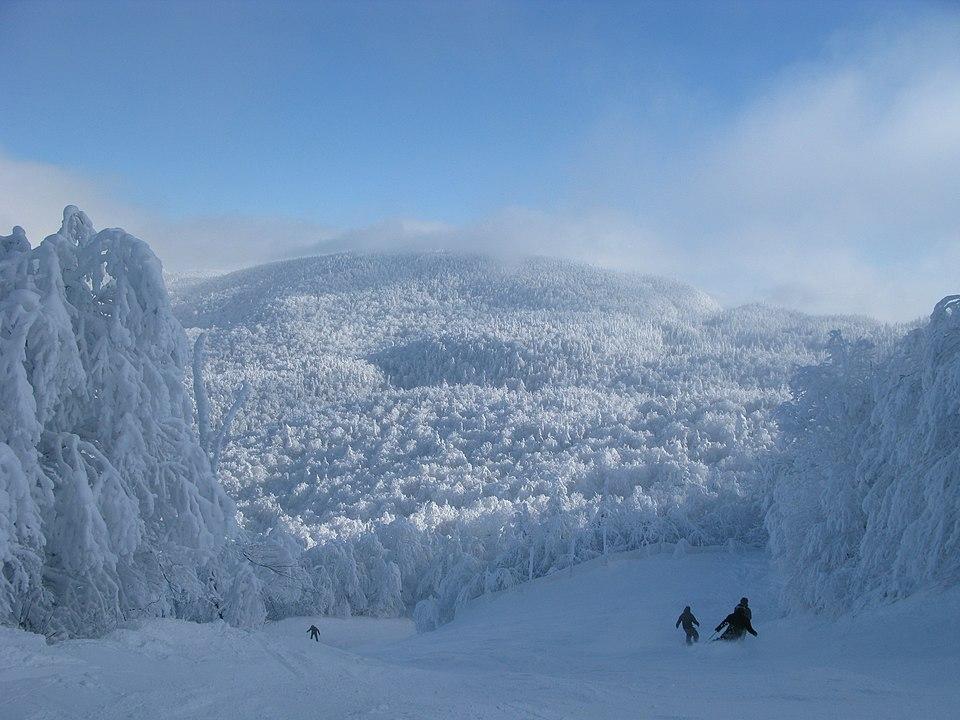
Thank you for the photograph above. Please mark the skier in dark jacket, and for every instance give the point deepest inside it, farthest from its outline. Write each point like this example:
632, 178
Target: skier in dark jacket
314, 633
737, 623
688, 621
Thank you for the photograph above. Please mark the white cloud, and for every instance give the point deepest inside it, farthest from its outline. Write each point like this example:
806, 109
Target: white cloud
839, 189
33, 195
601, 237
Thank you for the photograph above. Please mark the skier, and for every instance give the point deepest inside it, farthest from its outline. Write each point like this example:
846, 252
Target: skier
688, 621
314, 633
737, 622
744, 603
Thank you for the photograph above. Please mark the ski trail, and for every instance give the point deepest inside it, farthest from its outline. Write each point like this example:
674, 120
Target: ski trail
601, 645
525, 711
289, 666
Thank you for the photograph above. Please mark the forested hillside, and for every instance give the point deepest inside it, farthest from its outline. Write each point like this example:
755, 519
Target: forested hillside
430, 427
401, 433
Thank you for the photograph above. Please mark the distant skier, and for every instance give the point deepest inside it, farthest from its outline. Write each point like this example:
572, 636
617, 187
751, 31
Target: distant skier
737, 623
688, 621
314, 633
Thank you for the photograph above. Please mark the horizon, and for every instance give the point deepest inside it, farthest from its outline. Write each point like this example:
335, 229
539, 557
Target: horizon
805, 155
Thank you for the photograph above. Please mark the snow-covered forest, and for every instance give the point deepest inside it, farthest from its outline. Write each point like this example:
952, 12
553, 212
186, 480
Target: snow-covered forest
479, 360
427, 428
398, 434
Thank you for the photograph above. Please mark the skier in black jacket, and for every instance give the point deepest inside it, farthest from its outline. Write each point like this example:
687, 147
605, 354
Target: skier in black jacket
688, 621
738, 623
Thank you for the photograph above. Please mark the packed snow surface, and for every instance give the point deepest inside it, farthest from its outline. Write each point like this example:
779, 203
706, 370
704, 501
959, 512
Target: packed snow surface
595, 642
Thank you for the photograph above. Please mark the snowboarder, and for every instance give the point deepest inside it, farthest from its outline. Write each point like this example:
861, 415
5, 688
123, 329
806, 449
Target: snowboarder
688, 621
314, 633
737, 623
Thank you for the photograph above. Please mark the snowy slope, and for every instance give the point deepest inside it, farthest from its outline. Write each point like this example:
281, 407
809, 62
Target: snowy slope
436, 426
596, 642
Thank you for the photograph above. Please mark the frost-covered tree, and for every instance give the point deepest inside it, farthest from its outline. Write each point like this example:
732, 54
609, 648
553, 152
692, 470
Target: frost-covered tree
816, 518
866, 502
108, 507
212, 442
243, 603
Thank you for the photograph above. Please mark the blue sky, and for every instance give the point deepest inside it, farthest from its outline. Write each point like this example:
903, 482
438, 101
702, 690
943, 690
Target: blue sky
613, 132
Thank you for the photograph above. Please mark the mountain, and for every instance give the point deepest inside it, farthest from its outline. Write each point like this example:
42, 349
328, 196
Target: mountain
401, 433
423, 428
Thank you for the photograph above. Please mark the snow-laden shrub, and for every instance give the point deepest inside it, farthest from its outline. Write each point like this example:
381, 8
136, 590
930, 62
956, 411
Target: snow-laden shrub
426, 615
243, 603
866, 501
108, 507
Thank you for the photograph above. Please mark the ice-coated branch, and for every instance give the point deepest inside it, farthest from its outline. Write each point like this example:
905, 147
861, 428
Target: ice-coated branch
211, 443
945, 307
239, 398
200, 392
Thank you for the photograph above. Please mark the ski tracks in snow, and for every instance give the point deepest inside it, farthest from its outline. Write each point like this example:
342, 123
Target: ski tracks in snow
600, 645
290, 667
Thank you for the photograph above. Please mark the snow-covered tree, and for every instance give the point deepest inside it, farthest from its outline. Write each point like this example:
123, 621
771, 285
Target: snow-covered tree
212, 442
243, 603
108, 507
866, 501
